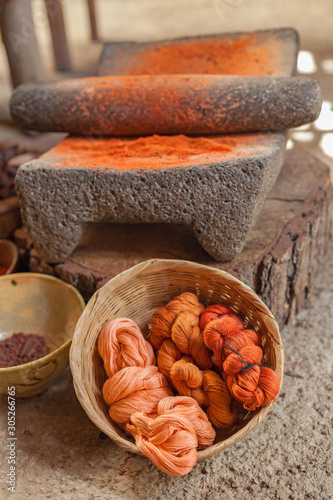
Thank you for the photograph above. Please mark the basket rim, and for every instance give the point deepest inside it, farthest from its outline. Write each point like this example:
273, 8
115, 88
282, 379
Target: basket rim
145, 268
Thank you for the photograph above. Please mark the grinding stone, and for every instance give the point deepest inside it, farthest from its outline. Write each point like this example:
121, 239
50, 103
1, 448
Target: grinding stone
166, 104
218, 194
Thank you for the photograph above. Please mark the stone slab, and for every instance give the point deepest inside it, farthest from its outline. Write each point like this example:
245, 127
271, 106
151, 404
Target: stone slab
216, 185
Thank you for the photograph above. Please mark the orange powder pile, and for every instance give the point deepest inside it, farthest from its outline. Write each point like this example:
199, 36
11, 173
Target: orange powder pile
188, 340
227, 56
143, 153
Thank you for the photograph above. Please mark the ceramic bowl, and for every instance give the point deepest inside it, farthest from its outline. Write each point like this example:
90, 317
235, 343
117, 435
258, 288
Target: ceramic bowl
47, 306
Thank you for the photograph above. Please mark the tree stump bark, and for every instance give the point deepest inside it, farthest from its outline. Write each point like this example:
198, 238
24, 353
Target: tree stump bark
280, 259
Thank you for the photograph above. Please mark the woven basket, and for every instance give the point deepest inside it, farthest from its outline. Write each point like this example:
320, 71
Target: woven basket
137, 293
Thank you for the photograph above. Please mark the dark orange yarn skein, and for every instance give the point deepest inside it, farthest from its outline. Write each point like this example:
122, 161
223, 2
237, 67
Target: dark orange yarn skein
167, 355
214, 334
249, 382
217, 312
188, 380
239, 339
208, 389
164, 317
187, 336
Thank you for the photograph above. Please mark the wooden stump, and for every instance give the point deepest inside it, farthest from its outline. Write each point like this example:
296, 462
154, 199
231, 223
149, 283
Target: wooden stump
280, 260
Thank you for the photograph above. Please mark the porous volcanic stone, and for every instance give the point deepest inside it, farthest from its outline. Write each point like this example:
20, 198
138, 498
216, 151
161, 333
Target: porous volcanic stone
217, 185
167, 104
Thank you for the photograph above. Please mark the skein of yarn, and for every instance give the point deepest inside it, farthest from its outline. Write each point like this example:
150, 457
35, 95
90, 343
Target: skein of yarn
167, 355
164, 317
187, 336
248, 381
170, 441
190, 409
217, 312
208, 389
134, 389
121, 344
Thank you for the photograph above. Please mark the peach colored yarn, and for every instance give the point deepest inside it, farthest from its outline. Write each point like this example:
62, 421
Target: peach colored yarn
170, 441
190, 409
164, 317
187, 336
121, 344
134, 389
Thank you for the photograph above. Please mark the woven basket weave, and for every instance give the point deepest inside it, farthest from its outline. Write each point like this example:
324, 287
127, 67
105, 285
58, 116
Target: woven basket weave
137, 293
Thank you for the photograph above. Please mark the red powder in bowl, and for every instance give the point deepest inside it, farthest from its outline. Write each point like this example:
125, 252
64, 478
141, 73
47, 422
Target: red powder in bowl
22, 348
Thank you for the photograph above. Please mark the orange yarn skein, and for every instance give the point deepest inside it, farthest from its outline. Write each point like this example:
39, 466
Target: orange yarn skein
222, 410
214, 334
164, 317
188, 379
134, 389
249, 382
167, 355
207, 388
187, 336
239, 339
213, 312
121, 344
217, 312
170, 441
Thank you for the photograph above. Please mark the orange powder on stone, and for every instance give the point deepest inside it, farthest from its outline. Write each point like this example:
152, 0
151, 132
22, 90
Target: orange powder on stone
152, 152
207, 56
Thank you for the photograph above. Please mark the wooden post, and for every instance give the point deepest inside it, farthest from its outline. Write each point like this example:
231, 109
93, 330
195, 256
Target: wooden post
92, 17
18, 33
58, 33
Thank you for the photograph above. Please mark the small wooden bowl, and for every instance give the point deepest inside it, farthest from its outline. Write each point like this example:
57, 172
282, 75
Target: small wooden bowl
42, 304
137, 293
8, 256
